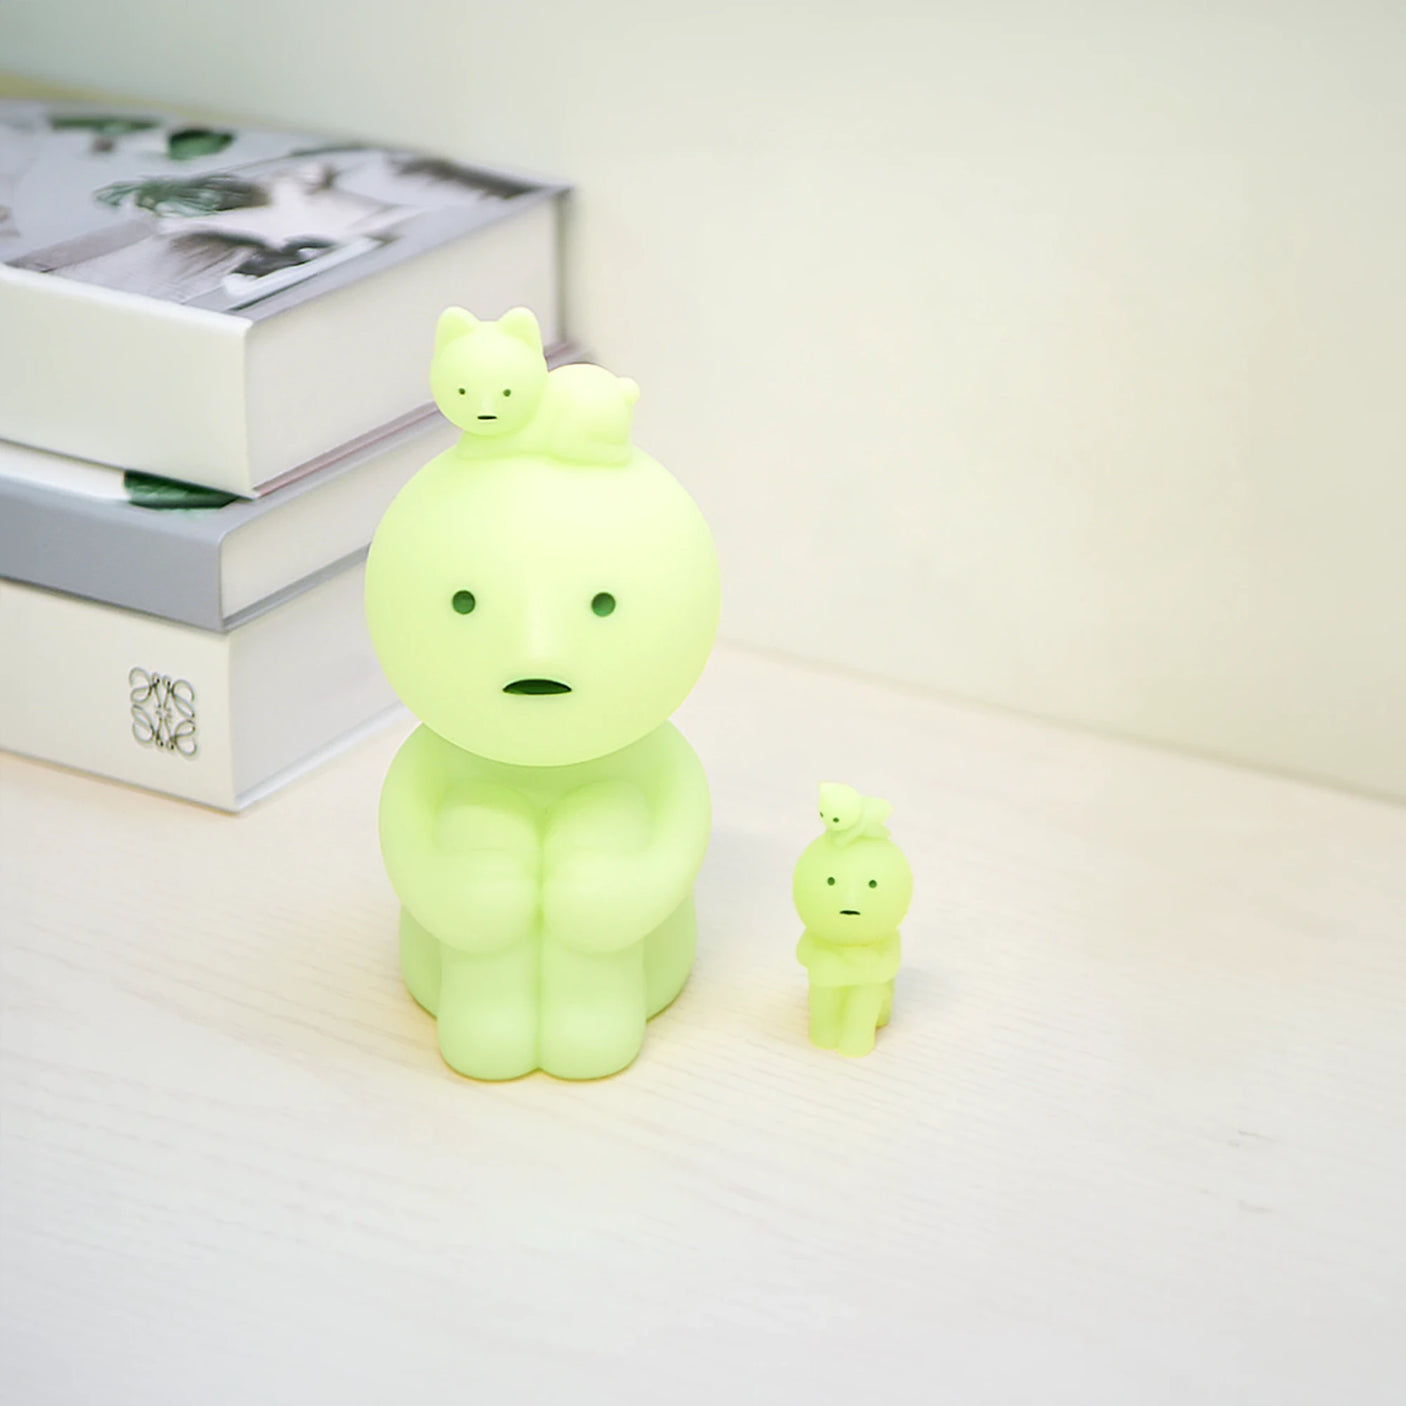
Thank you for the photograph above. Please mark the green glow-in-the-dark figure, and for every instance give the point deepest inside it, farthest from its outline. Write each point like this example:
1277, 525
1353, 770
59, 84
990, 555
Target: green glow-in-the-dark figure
852, 888
542, 597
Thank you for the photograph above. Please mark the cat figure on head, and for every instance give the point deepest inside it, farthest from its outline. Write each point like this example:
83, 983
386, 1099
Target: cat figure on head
848, 816
491, 380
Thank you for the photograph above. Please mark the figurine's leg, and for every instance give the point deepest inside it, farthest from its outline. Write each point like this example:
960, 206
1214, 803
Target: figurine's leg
668, 957
826, 1007
886, 1006
488, 1011
593, 1009
419, 962
860, 1018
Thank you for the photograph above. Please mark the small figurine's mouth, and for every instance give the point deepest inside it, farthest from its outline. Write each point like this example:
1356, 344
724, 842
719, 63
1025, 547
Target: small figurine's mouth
849, 912
536, 686
487, 417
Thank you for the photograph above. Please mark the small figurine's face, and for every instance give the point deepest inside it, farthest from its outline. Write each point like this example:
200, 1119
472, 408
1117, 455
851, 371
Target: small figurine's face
853, 893
840, 806
488, 382
537, 613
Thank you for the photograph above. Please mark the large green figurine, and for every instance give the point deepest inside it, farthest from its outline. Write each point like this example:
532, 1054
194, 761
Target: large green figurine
542, 597
852, 888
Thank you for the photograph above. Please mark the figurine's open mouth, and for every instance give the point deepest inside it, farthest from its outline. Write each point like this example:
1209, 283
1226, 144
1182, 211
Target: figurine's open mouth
849, 912
536, 686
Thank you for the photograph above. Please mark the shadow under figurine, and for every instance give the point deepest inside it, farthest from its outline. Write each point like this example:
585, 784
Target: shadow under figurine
852, 889
542, 597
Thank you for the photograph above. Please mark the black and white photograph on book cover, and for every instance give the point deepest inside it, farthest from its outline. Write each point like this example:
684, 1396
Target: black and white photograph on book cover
218, 217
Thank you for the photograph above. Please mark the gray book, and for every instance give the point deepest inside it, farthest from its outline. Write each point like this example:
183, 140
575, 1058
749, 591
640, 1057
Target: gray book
196, 555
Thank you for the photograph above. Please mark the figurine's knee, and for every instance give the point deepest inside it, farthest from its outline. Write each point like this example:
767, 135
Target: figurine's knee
419, 962
668, 956
593, 1010
602, 815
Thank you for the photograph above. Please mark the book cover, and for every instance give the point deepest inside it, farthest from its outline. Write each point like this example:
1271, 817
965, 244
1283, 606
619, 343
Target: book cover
222, 218
227, 305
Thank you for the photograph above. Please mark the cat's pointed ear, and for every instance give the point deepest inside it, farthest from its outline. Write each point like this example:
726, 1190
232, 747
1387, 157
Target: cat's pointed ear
521, 324
629, 390
453, 323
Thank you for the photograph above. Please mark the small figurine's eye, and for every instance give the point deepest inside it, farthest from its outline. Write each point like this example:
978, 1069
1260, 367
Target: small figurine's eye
464, 601
835, 818
603, 603
830, 880
507, 392
873, 883
462, 391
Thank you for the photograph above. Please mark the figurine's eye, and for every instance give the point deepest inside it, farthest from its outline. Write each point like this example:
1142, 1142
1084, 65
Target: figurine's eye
873, 883
464, 601
603, 603
462, 391
830, 880
835, 818
507, 392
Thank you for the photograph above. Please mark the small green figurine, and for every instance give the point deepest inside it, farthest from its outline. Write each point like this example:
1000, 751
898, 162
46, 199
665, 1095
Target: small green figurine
852, 889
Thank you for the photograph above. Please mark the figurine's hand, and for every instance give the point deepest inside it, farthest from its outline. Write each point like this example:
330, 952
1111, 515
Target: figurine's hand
601, 902
600, 881
605, 817
470, 875
479, 901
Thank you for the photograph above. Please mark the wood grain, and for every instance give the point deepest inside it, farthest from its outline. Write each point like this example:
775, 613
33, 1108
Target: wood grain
1136, 1134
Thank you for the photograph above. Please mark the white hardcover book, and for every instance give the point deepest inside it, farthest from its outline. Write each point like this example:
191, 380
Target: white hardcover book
197, 555
226, 306
218, 718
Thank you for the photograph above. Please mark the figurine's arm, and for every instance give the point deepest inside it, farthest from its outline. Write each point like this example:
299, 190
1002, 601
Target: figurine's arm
807, 951
460, 864
606, 887
860, 964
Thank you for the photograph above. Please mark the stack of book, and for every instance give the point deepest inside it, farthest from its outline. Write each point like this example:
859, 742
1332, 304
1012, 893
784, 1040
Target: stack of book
214, 347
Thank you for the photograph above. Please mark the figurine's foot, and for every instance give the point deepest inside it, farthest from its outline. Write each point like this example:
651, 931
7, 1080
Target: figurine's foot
593, 1010
419, 962
855, 1043
668, 957
825, 1008
488, 1012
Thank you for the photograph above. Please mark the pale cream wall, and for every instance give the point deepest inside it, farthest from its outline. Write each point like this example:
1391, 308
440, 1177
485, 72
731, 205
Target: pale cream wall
1047, 354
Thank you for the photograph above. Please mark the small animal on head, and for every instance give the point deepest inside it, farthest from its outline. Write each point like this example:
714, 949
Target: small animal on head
488, 377
849, 816
491, 380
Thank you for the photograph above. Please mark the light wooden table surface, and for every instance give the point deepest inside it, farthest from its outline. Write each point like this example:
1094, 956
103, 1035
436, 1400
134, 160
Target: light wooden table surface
1137, 1133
